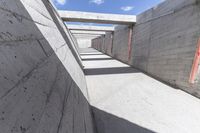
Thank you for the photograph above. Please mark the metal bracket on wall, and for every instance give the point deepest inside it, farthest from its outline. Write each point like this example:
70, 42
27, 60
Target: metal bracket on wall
195, 66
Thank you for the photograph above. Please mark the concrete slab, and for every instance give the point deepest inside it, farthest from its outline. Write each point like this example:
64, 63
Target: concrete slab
90, 28
89, 17
134, 102
88, 32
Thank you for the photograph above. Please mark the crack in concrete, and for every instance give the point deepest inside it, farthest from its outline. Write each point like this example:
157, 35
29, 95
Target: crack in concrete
25, 77
52, 86
42, 48
19, 40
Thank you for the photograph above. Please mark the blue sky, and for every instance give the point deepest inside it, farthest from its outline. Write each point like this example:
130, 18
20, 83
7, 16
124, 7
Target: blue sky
131, 7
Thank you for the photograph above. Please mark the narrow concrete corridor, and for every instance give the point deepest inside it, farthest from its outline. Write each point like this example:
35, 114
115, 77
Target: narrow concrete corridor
126, 93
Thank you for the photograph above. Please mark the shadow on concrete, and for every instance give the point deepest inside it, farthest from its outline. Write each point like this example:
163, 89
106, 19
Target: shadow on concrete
114, 70
108, 123
38, 85
96, 59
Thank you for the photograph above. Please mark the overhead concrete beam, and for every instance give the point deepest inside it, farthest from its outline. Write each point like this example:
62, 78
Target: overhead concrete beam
89, 17
91, 28
88, 32
85, 36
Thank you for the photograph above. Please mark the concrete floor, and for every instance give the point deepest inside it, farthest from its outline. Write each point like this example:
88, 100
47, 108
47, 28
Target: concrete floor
126, 100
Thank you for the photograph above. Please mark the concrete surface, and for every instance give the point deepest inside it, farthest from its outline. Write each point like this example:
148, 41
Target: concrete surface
166, 48
115, 44
164, 43
126, 100
42, 85
104, 43
89, 17
85, 41
88, 32
90, 28
120, 43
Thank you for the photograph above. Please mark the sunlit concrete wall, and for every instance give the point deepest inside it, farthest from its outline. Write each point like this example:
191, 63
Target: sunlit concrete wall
42, 85
120, 43
84, 43
164, 43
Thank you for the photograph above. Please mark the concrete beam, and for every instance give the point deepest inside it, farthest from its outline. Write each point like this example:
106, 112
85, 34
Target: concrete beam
85, 36
88, 32
75, 16
90, 28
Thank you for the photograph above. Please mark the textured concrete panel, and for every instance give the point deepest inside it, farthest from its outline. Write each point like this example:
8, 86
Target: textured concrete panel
164, 43
84, 40
90, 28
43, 88
108, 43
120, 43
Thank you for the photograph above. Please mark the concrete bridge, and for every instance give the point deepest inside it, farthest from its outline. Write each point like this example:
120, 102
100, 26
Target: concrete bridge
139, 77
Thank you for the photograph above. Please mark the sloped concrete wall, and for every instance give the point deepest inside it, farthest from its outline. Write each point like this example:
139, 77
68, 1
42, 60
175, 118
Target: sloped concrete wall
164, 43
43, 87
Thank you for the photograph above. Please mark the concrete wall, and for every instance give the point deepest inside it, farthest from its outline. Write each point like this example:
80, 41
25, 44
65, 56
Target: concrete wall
43, 87
84, 43
116, 43
165, 45
120, 43
108, 43
164, 42
98, 43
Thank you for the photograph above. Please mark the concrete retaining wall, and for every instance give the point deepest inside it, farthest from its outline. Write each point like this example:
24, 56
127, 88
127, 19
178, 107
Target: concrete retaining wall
108, 43
120, 43
164, 46
43, 87
98, 43
164, 42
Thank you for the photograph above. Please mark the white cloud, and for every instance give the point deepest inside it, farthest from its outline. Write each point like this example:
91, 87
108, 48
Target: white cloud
127, 8
98, 2
59, 2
